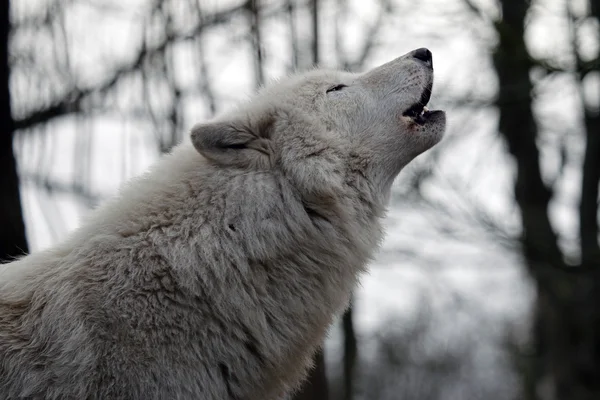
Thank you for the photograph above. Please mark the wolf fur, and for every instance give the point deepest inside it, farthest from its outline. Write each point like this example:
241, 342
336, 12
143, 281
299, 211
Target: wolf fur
217, 274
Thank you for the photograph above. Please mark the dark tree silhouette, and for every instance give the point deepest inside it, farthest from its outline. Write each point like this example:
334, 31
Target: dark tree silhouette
315, 387
13, 241
566, 327
350, 354
588, 216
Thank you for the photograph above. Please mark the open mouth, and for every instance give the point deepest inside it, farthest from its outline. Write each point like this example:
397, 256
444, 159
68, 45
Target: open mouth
418, 112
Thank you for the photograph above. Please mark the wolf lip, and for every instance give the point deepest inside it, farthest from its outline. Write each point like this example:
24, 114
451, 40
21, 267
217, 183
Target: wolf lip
415, 110
423, 116
418, 111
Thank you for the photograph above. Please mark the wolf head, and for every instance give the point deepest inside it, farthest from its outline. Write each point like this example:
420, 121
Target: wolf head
314, 125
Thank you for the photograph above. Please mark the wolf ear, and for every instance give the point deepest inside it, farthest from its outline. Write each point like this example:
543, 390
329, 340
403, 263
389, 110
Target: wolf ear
233, 144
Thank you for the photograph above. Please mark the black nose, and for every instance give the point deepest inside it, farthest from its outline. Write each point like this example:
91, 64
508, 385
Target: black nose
424, 55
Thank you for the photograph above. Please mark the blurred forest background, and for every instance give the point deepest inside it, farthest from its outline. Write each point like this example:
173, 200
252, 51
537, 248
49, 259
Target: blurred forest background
488, 285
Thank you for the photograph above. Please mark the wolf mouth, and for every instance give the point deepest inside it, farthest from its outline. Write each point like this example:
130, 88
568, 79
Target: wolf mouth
418, 111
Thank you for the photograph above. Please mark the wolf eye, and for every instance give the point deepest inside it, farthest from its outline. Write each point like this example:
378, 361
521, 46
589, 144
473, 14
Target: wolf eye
336, 88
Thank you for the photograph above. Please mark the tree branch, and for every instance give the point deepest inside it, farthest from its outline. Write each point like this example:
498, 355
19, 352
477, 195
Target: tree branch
74, 101
52, 186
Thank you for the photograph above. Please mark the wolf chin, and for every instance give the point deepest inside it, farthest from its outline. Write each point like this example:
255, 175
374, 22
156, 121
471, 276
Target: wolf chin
217, 274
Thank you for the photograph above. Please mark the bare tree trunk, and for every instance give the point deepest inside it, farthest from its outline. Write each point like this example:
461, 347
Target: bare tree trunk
255, 28
350, 353
588, 216
315, 35
13, 241
517, 125
565, 363
293, 34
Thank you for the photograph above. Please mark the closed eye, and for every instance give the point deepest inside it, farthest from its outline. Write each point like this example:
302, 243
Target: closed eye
336, 88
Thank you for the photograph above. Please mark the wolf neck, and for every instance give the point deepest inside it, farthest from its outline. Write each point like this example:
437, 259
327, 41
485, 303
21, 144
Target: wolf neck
383, 181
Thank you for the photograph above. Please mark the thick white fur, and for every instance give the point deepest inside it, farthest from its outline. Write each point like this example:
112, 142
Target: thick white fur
216, 274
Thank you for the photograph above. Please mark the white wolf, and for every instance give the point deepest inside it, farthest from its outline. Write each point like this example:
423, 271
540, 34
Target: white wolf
216, 275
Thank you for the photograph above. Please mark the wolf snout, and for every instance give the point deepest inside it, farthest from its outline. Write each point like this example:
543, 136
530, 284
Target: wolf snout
424, 55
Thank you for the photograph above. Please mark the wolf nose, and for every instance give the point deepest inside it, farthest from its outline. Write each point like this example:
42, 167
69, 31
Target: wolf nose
424, 55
